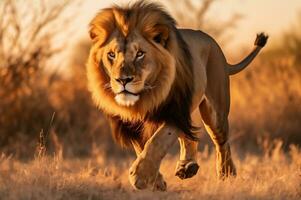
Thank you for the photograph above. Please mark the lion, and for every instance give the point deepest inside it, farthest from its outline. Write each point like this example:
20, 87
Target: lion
147, 76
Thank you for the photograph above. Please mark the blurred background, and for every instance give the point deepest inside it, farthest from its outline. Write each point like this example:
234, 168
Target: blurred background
44, 102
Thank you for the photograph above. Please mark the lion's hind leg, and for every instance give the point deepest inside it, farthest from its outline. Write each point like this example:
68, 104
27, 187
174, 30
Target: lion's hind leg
216, 124
187, 166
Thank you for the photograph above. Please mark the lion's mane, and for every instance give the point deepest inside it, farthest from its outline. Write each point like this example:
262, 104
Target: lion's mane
170, 101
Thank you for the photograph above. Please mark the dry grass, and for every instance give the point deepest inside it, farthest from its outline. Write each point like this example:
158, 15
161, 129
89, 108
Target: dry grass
277, 176
265, 100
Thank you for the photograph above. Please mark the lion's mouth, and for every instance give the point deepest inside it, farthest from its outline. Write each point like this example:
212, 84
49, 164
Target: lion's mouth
128, 92
126, 98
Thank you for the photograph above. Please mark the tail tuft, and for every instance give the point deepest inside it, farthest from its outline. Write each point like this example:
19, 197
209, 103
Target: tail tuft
261, 39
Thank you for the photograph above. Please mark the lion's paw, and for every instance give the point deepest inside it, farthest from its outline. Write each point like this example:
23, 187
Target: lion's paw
224, 163
186, 169
160, 184
225, 170
145, 173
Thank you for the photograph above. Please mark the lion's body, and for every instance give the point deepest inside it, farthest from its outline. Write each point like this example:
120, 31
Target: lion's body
148, 77
207, 57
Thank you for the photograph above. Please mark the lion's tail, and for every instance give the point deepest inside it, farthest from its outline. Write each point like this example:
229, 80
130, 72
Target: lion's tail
260, 41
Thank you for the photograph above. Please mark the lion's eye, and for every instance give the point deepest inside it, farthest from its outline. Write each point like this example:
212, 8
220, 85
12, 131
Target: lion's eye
111, 55
140, 54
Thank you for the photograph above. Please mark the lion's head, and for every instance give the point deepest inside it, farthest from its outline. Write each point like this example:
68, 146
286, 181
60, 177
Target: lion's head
137, 61
131, 59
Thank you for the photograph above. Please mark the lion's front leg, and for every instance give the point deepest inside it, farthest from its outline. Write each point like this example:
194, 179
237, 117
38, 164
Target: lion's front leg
187, 166
159, 183
145, 170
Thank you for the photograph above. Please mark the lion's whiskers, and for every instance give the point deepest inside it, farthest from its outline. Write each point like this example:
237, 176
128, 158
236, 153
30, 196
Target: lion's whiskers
107, 86
149, 87
137, 82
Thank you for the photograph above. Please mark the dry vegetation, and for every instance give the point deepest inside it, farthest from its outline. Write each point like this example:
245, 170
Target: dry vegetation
81, 160
275, 176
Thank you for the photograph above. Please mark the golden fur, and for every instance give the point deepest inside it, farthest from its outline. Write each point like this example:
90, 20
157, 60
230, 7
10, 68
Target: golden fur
169, 73
161, 82
168, 61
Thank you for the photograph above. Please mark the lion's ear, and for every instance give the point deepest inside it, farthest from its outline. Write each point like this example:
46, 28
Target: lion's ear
159, 34
97, 34
102, 26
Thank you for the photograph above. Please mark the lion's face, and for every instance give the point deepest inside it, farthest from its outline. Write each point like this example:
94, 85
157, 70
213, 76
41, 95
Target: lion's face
130, 65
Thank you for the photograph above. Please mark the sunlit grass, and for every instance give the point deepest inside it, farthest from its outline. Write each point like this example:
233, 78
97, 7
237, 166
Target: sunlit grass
259, 177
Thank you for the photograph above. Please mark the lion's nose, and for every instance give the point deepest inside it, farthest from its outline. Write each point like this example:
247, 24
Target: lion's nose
124, 81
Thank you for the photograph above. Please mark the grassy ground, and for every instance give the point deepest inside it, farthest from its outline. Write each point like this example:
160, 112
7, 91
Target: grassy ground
273, 176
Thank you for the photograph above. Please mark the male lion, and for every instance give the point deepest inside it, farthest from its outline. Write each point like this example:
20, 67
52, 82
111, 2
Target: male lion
147, 76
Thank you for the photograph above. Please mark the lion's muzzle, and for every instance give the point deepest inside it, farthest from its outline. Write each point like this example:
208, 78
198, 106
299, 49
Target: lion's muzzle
127, 90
